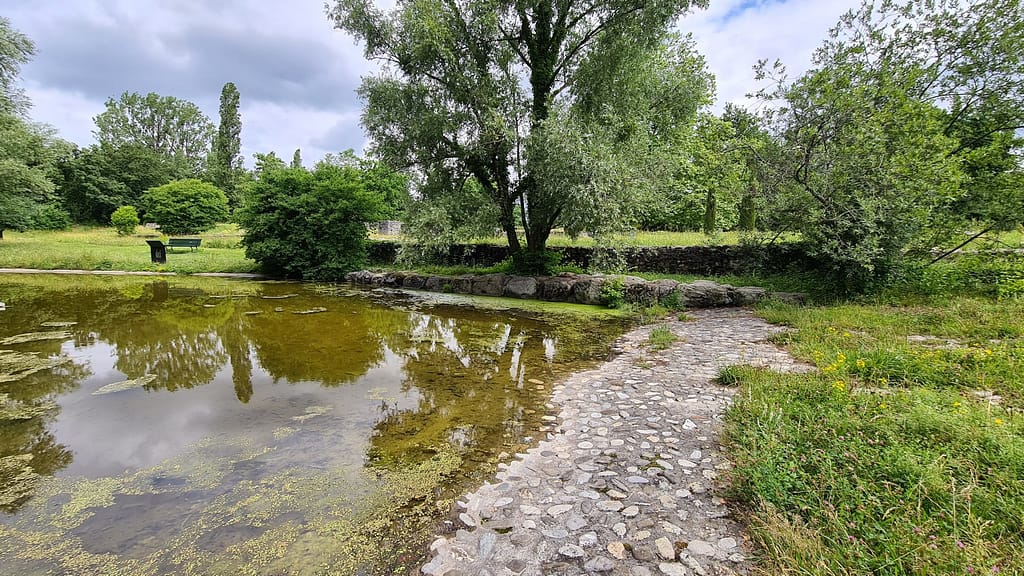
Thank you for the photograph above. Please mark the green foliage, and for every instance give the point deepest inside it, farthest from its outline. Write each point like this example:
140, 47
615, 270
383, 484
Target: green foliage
530, 263
95, 181
185, 206
613, 293
225, 162
309, 225
15, 49
904, 126
547, 126
50, 217
173, 128
125, 219
27, 155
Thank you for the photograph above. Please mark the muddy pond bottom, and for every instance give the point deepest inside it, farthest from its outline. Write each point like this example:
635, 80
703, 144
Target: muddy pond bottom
202, 426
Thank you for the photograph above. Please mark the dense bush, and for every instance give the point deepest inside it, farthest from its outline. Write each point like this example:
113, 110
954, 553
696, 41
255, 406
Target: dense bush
124, 220
309, 225
50, 217
185, 206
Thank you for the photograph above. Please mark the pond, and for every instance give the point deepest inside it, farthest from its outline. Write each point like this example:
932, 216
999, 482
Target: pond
203, 426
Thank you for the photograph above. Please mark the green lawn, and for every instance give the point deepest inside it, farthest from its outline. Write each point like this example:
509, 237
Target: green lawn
88, 248
902, 454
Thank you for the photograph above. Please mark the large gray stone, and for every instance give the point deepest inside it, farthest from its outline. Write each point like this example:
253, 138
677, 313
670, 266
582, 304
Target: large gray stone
747, 295
704, 294
414, 281
488, 284
520, 287
587, 290
556, 288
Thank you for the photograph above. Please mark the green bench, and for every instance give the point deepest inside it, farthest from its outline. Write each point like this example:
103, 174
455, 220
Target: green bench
191, 243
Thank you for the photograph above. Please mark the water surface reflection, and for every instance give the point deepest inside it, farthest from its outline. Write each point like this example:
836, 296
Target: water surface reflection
279, 429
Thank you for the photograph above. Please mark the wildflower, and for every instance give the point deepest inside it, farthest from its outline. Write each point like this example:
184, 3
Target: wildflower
847, 335
988, 352
960, 545
829, 368
883, 381
840, 358
882, 406
860, 363
839, 385
956, 404
998, 421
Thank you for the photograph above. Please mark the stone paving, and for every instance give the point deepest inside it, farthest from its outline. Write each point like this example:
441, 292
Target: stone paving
627, 481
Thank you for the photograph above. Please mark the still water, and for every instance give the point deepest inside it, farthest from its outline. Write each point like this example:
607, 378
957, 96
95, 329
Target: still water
200, 426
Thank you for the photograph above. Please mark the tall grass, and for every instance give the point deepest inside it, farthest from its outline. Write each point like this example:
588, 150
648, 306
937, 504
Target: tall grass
903, 453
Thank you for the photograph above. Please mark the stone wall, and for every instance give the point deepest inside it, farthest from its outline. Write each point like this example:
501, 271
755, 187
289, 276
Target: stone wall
573, 288
704, 260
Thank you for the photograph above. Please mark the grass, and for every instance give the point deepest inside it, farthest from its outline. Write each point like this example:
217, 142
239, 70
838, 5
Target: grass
94, 248
661, 338
888, 459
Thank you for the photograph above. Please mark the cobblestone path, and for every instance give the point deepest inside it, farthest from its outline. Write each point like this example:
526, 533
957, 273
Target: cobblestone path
626, 482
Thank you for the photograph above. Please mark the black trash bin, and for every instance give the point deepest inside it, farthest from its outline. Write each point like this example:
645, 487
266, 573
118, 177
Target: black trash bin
157, 251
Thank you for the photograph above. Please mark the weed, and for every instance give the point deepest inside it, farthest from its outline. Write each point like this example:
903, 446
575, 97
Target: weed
613, 293
661, 338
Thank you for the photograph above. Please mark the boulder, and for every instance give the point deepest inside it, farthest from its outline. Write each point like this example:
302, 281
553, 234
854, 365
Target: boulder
461, 284
414, 281
747, 295
437, 284
556, 288
704, 294
488, 285
520, 287
587, 290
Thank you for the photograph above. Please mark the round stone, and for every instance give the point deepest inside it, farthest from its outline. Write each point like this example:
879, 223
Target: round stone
571, 551
631, 511
598, 564
700, 548
672, 569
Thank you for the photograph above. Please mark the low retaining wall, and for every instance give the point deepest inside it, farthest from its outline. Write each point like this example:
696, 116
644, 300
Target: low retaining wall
703, 260
573, 288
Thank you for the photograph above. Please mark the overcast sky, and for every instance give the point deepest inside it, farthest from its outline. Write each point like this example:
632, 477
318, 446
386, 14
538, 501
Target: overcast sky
297, 75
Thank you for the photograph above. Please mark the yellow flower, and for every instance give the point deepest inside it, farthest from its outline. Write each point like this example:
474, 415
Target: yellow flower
860, 363
988, 352
847, 335
883, 381
882, 406
998, 421
840, 358
956, 404
839, 385
829, 368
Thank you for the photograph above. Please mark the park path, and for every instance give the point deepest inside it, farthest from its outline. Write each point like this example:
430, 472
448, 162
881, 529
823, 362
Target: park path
628, 481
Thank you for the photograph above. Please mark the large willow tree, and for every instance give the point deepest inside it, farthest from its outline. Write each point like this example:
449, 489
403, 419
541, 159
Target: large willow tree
537, 113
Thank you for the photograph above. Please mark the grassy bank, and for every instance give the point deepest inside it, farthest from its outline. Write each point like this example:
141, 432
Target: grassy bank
88, 248
903, 454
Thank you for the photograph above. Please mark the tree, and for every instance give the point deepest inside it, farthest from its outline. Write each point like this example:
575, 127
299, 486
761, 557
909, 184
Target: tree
29, 153
94, 181
173, 128
482, 91
871, 135
309, 225
185, 206
15, 49
225, 157
297, 159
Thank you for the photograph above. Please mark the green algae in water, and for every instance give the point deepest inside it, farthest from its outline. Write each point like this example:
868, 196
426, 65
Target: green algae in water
17, 365
123, 385
35, 337
18, 410
17, 480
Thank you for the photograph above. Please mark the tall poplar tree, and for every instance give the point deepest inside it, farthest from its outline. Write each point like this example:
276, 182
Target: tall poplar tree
226, 157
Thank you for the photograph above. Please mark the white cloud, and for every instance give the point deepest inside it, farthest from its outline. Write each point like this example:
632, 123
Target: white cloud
734, 34
295, 73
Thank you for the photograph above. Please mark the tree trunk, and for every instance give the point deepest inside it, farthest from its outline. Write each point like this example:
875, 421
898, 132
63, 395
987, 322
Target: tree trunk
710, 213
748, 212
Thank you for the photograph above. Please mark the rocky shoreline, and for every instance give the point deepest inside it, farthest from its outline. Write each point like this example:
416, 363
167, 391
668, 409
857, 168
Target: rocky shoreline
575, 288
628, 482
